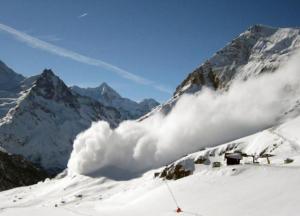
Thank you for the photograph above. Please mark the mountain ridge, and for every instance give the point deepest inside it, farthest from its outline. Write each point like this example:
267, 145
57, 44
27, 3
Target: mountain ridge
108, 96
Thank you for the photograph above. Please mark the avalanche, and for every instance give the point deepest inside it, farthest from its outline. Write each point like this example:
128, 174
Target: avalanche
206, 119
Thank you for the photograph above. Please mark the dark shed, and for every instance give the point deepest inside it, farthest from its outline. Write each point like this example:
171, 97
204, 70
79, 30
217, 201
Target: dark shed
233, 158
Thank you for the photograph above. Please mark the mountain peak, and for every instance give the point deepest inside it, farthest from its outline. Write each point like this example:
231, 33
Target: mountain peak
47, 77
104, 84
9, 79
149, 101
148, 104
261, 29
108, 91
47, 72
50, 86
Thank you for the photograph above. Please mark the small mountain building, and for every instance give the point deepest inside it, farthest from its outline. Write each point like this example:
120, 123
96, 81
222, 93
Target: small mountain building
233, 158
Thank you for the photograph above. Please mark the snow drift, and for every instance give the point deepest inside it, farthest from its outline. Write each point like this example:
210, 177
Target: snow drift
202, 120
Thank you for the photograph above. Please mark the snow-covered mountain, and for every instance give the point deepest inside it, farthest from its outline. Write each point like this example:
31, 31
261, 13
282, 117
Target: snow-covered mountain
260, 49
45, 119
109, 97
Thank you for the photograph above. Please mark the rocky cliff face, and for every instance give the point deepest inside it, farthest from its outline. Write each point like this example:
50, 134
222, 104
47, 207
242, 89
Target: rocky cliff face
15, 171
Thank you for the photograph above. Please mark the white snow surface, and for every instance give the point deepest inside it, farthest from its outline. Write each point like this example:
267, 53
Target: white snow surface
245, 189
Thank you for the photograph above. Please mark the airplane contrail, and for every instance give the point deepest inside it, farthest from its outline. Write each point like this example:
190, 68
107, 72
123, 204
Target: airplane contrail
56, 50
82, 15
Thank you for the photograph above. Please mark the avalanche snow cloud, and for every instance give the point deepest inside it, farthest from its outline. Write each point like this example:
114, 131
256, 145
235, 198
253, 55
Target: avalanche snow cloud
197, 121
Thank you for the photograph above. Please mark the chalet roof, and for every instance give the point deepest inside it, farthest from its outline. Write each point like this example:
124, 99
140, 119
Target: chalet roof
266, 155
237, 155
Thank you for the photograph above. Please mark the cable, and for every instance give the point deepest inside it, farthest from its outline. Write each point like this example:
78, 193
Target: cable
173, 196
176, 203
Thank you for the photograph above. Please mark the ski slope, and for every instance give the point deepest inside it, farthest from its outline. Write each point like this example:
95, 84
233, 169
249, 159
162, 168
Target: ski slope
239, 190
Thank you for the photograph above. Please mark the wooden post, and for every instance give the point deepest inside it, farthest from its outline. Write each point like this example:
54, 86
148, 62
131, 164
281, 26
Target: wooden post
268, 159
253, 158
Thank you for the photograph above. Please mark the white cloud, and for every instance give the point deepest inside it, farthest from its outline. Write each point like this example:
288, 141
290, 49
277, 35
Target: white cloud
56, 50
207, 119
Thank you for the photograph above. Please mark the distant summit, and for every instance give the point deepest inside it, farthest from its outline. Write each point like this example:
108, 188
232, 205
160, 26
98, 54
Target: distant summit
109, 97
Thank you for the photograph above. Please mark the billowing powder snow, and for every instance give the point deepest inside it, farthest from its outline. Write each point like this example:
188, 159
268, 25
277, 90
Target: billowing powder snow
206, 119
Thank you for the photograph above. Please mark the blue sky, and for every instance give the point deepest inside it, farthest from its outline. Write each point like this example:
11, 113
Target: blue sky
153, 44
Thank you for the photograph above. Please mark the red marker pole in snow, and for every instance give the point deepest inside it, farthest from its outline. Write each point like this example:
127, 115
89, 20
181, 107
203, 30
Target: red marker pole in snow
178, 209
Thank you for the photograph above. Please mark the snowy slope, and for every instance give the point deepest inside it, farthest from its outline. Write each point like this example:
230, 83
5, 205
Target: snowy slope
246, 189
46, 119
109, 97
281, 141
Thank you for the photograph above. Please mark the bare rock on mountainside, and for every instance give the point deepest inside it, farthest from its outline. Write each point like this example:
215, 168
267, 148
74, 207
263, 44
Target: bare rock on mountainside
177, 170
15, 171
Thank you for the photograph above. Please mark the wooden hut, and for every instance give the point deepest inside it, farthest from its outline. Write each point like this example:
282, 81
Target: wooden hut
233, 158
